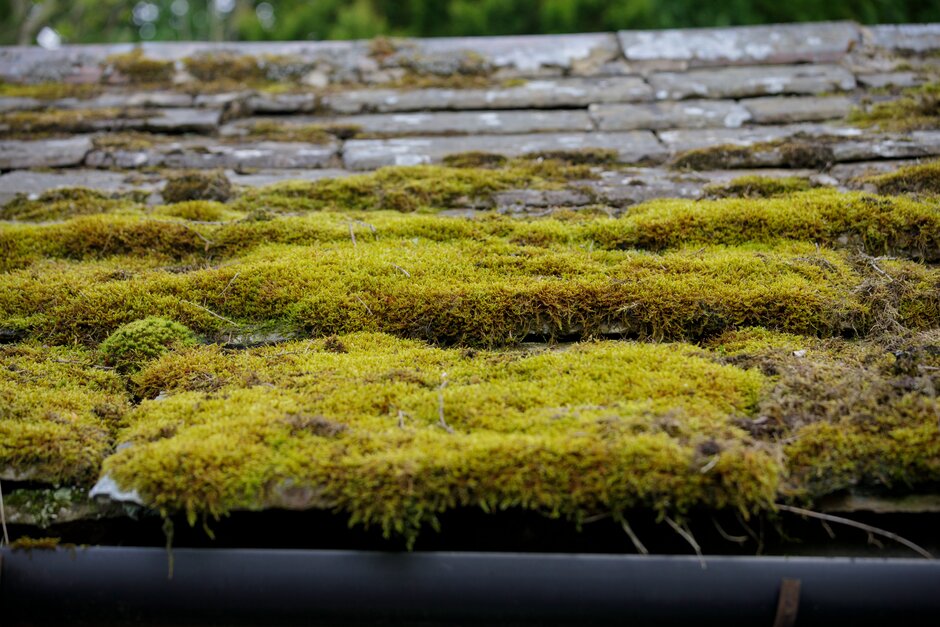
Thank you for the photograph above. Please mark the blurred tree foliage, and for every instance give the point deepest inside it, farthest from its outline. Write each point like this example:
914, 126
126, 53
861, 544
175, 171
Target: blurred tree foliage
133, 20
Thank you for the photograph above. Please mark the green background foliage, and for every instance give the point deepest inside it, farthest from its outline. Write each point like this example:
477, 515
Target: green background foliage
80, 21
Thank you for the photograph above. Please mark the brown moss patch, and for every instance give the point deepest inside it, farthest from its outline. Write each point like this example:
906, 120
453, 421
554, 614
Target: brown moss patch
136, 68
197, 185
757, 187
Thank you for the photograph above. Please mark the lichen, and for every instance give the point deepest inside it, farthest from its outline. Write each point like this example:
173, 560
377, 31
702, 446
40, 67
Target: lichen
923, 178
197, 185
756, 186
918, 108
135, 343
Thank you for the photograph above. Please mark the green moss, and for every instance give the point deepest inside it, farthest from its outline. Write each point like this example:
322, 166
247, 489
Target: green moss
582, 156
136, 68
409, 188
197, 185
475, 159
918, 108
25, 543
63, 203
219, 66
923, 178
598, 428
57, 411
757, 187
131, 141
309, 133
135, 343
48, 91
197, 211
794, 152
30, 124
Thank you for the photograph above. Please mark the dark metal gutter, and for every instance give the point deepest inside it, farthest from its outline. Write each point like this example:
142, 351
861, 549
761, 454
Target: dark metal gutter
104, 585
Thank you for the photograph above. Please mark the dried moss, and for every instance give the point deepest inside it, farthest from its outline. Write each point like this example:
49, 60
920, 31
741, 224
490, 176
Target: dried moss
475, 159
135, 343
136, 68
57, 411
923, 178
756, 186
795, 152
918, 108
30, 124
599, 428
225, 66
197, 185
309, 133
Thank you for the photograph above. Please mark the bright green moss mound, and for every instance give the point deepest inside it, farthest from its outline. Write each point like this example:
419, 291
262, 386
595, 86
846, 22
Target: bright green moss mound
596, 428
916, 179
757, 187
57, 413
918, 108
137, 342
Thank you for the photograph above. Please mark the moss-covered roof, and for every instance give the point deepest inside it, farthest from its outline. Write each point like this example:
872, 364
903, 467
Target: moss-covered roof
578, 325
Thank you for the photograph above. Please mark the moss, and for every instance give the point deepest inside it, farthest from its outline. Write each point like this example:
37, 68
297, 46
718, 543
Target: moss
63, 203
309, 133
30, 124
57, 412
598, 428
197, 210
197, 185
410, 188
757, 187
923, 178
137, 342
25, 543
49, 91
475, 160
136, 68
918, 108
795, 152
227, 66
130, 141
582, 156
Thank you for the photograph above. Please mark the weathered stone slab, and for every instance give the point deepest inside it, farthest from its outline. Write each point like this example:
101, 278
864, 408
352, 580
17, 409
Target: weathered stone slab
665, 115
32, 182
46, 153
269, 177
845, 173
797, 109
522, 199
440, 123
743, 82
903, 146
183, 120
681, 140
521, 55
904, 38
888, 79
282, 103
196, 154
823, 42
8, 104
534, 94
632, 147
126, 100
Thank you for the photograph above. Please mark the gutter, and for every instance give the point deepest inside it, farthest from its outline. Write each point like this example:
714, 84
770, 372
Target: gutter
117, 585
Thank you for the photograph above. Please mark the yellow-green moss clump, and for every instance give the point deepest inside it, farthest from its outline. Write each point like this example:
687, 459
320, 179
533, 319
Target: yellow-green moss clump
308, 133
137, 68
61, 204
923, 178
137, 342
375, 432
57, 413
49, 91
756, 186
197, 185
918, 108
197, 211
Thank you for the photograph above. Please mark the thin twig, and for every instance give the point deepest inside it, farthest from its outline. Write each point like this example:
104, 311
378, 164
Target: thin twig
209, 311
352, 234
402, 270
401, 419
633, 537
688, 537
363, 303
232, 280
3, 519
727, 536
440, 404
851, 523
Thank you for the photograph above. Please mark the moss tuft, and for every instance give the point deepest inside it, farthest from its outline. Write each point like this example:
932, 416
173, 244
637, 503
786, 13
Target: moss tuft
757, 187
582, 156
137, 69
49, 91
475, 159
51, 122
309, 133
197, 211
197, 185
135, 343
61, 204
918, 108
916, 179
795, 152
225, 66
